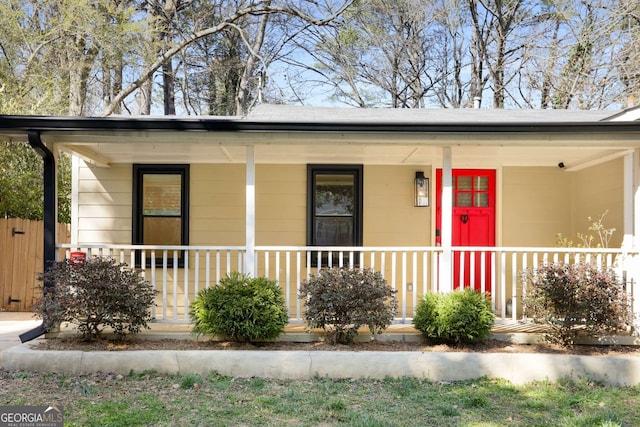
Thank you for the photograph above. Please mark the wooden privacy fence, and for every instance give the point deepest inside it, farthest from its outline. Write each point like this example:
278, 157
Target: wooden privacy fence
21, 258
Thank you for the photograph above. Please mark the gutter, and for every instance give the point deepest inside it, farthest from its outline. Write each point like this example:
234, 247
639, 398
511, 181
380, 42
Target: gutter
19, 124
49, 219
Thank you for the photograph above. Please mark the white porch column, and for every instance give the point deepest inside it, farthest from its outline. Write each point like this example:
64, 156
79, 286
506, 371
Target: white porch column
629, 200
250, 256
75, 191
634, 196
446, 269
632, 193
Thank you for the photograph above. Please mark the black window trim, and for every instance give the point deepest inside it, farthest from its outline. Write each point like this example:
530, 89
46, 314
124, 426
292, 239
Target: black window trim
137, 232
358, 173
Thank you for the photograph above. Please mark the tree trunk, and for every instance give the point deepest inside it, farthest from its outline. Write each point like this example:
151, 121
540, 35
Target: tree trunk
143, 95
250, 65
80, 61
545, 92
168, 74
116, 85
168, 89
143, 99
478, 47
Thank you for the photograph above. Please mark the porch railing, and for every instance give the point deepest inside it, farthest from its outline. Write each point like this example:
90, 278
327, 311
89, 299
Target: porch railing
411, 271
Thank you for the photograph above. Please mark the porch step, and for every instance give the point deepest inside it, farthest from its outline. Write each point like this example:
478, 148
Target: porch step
512, 328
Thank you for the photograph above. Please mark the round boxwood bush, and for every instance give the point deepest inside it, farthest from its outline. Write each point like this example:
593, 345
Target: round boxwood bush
462, 316
240, 308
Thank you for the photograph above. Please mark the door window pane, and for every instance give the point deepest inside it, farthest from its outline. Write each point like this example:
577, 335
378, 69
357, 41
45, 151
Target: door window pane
481, 183
464, 183
481, 200
463, 199
471, 191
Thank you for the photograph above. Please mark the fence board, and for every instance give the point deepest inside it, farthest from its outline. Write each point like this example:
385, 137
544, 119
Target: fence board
6, 260
21, 254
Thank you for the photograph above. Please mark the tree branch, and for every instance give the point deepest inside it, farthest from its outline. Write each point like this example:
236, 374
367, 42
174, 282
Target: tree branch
147, 74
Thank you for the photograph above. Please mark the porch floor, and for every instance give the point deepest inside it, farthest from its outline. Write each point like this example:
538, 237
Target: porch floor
503, 328
297, 332
510, 331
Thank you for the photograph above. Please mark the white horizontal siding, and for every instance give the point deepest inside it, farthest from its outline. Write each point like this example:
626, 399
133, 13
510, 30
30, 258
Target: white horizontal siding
104, 204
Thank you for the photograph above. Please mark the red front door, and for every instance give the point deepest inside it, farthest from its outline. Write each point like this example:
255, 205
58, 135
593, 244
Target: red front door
473, 224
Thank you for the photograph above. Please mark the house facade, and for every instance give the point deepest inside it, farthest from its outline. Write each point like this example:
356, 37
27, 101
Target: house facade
434, 199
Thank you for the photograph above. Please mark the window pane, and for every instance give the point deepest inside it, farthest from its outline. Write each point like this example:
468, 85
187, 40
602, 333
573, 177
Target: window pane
334, 194
161, 231
334, 231
481, 200
481, 182
161, 194
464, 183
463, 199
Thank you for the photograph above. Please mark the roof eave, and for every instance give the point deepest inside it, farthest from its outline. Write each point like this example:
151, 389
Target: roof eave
22, 124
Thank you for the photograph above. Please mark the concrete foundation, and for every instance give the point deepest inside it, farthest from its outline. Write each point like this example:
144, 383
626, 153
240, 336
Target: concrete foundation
517, 368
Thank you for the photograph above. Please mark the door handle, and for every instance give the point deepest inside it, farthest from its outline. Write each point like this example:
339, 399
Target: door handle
464, 218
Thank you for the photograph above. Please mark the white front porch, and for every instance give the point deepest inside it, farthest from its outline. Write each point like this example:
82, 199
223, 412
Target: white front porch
412, 271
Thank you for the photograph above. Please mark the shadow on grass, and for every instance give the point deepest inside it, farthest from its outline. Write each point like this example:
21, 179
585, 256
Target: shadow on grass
214, 399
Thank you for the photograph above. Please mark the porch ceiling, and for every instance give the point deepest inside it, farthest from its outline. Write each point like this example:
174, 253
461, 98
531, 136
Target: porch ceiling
478, 138
159, 150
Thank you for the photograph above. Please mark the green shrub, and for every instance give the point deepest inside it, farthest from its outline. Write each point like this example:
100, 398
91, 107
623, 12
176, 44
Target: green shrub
341, 300
240, 308
426, 317
96, 294
457, 317
576, 298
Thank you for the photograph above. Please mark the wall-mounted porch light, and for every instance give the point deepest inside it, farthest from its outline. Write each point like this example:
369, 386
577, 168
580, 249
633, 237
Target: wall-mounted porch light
421, 190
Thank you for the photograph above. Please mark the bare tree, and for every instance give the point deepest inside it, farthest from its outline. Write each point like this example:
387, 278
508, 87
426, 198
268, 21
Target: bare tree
379, 53
499, 36
188, 57
50, 51
628, 58
108, 52
414, 53
574, 61
224, 22
450, 59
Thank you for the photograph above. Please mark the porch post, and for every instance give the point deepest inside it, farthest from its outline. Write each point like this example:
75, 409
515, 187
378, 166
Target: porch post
634, 201
445, 273
75, 191
628, 201
632, 191
250, 255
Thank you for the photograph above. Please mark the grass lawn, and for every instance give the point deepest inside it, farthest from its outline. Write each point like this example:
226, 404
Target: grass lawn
150, 398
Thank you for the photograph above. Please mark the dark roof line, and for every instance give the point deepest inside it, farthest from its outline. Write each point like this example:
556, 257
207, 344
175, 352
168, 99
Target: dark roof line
79, 124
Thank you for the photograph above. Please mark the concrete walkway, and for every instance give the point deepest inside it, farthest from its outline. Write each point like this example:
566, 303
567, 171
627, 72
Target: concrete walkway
518, 368
12, 325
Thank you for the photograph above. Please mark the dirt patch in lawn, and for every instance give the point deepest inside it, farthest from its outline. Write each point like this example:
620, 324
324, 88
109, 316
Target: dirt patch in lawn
491, 346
